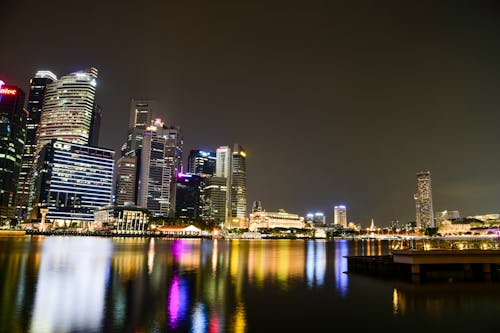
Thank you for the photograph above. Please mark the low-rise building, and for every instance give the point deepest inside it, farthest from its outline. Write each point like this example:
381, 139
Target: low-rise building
271, 220
122, 219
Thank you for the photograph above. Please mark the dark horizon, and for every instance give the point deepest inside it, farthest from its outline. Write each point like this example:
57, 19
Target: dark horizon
335, 102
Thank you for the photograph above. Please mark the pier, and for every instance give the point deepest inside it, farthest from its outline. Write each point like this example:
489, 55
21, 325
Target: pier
438, 260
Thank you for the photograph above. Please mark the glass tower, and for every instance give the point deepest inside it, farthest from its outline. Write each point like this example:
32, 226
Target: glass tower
68, 108
12, 133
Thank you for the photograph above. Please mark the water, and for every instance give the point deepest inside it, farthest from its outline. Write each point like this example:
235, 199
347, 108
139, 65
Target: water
90, 284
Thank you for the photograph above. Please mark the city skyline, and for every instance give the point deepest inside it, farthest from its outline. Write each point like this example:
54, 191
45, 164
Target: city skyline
334, 103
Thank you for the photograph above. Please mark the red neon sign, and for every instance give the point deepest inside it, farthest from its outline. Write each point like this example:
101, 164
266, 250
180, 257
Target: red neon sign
7, 91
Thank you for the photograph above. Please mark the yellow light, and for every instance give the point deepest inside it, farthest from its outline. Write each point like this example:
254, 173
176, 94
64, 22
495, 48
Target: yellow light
242, 153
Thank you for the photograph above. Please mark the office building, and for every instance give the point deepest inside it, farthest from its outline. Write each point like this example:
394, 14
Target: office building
143, 113
214, 199
340, 216
126, 180
72, 181
122, 219
160, 161
317, 219
238, 184
68, 109
188, 197
201, 162
38, 85
12, 135
423, 201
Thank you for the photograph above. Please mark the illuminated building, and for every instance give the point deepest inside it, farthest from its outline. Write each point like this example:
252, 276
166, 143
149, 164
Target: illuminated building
189, 189
68, 109
238, 184
340, 215
201, 162
160, 162
122, 218
72, 181
270, 220
231, 164
223, 170
446, 215
38, 85
12, 133
214, 199
423, 201
142, 113
317, 219
126, 180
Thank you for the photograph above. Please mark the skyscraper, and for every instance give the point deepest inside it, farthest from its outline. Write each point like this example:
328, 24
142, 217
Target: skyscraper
143, 112
340, 215
423, 201
68, 108
38, 85
12, 134
126, 180
189, 190
160, 161
214, 199
223, 170
201, 162
238, 184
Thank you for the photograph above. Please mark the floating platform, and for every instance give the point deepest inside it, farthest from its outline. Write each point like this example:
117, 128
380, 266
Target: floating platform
433, 265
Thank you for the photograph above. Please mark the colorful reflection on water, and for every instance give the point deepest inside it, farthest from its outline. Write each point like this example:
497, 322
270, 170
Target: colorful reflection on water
83, 284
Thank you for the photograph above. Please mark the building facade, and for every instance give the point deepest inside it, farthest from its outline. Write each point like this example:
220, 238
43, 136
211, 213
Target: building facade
160, 161
340, 215
126, 180
72, 182
214, 199
12, 135
201, 162
188, 197
122, 219
38, 85
68, 109
270, 220
238, 184
423, 201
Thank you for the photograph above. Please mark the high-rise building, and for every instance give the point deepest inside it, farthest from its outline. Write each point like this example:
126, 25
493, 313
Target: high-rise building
72, 181
189, 191
317, 219
201, 162
38, 85
238, 184
340, 215
126, 180
160, 161
143, 113
68, 108
12, 135
214, 199
95, 126
423, 201
223, 170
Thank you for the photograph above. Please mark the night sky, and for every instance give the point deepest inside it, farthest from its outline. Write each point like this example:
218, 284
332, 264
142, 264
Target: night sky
336, 102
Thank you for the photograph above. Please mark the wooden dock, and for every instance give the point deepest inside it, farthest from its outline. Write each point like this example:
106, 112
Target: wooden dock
429, 265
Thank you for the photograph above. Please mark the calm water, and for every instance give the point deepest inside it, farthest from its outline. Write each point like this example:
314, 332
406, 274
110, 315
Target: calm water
86, 284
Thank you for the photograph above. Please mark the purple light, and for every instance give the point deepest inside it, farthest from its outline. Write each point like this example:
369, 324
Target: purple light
184, 175
177, 302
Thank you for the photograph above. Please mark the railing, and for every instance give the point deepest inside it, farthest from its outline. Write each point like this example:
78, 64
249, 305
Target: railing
429, 244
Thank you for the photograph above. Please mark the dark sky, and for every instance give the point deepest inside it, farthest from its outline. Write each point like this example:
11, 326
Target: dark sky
335, 101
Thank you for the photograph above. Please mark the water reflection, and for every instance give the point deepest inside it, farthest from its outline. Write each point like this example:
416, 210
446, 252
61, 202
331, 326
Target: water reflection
164, 285
315, 262
71, 284
341, 279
